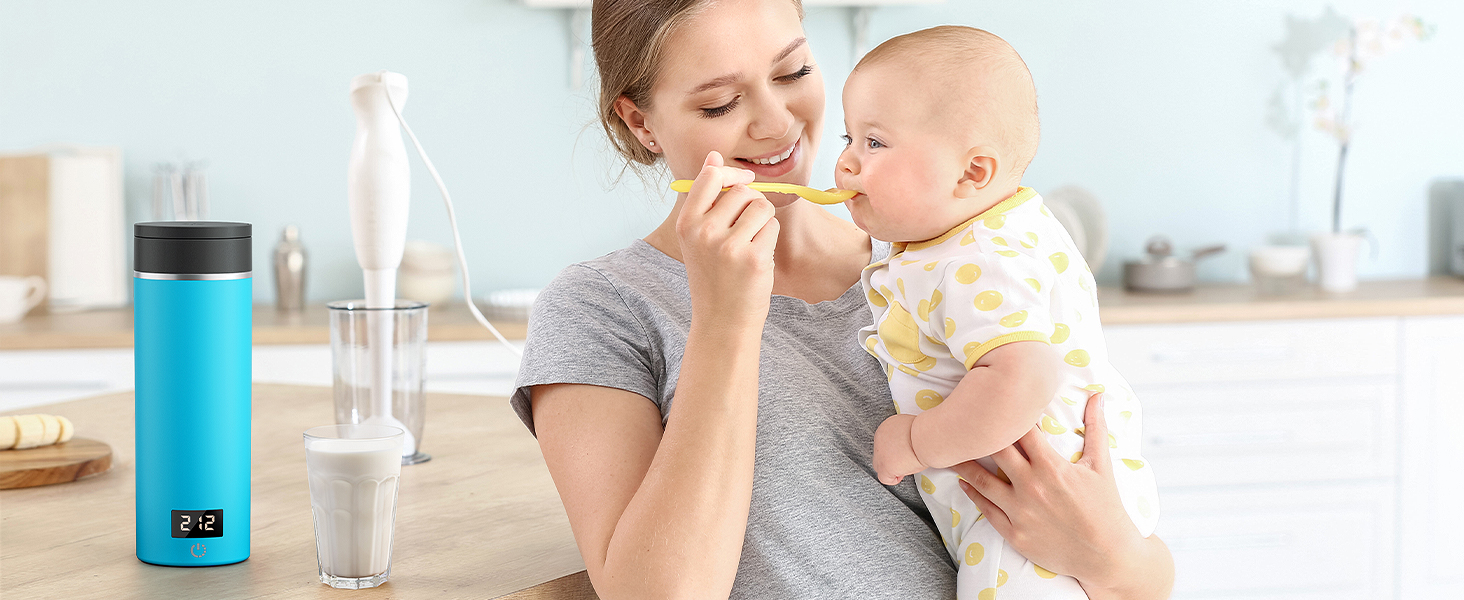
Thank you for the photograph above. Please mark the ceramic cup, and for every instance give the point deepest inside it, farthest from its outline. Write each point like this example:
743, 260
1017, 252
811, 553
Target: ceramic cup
18, 295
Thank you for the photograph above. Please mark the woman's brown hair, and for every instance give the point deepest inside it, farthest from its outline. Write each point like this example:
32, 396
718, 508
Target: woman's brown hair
629, 39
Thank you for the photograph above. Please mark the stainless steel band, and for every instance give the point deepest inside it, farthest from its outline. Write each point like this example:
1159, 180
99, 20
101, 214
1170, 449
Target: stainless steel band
193, 276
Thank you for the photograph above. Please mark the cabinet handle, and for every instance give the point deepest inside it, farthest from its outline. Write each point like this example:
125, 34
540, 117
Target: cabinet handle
1229, 438
1249, 354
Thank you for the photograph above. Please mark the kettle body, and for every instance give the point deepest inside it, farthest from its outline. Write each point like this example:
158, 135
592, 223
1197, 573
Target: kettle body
192, 324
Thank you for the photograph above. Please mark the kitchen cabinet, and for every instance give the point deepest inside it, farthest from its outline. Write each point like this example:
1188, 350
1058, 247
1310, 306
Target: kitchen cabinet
1432, 483
39, 377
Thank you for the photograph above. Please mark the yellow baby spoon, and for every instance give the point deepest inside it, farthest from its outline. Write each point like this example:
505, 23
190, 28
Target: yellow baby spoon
832, 196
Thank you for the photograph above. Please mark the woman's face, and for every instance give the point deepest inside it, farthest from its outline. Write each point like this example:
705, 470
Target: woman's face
739, 78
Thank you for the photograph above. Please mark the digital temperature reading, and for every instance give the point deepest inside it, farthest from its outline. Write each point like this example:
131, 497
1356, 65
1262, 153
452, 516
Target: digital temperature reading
198, 523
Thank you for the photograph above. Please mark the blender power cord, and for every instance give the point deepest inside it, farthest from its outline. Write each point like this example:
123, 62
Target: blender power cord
457, 240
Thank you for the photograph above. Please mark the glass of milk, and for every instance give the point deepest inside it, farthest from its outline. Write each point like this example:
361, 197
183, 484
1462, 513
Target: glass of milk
353, 491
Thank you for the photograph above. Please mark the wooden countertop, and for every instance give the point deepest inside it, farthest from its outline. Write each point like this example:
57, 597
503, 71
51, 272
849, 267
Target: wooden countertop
480, 520
1241, 302
112, 328
453, 322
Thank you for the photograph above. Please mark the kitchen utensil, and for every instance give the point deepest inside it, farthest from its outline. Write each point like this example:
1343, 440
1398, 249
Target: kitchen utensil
831, 196
1082, 215
353, 472
1162, 272
76, 459
513, 305
18, 295
1279, 270
289, 271
354, 332
426, 274
192, 326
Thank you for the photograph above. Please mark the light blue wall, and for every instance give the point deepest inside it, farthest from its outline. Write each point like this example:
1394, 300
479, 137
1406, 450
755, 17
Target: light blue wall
1156, 106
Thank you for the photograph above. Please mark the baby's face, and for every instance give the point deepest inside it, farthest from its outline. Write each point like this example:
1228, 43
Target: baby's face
898, 159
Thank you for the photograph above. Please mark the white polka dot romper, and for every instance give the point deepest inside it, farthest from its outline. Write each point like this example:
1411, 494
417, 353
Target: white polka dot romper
1009, 274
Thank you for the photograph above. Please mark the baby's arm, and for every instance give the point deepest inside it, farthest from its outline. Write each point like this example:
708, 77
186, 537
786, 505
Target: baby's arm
994, 404
998, 401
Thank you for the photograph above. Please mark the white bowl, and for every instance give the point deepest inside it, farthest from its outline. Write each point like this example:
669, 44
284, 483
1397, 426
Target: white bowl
1279, 261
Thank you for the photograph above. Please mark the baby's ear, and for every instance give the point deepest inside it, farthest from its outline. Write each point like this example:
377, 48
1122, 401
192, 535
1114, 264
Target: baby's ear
981, 167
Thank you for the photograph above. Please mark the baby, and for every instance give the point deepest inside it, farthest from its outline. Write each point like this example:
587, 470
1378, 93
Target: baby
986, 317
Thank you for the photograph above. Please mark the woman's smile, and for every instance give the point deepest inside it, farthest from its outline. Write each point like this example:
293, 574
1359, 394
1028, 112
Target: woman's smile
773, 164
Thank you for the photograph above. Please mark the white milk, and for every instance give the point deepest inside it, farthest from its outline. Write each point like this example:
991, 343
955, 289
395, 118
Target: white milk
353, 489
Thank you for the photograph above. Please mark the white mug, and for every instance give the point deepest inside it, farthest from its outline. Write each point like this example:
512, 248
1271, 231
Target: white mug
18, 295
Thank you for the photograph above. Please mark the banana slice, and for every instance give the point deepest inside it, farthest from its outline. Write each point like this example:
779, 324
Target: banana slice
8, 433
50, 430
30, 430
66, 429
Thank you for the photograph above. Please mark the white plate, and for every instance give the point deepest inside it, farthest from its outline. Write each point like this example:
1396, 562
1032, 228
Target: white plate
1082, 215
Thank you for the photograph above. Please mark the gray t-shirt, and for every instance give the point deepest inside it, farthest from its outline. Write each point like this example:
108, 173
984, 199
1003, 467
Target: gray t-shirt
821, 525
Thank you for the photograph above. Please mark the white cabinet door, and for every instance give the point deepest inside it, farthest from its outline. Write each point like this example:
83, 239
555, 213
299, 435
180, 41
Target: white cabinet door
1324, 542
1432, 495
31, 378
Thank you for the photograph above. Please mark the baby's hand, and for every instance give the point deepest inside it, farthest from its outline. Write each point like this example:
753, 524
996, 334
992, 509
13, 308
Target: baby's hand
894, 457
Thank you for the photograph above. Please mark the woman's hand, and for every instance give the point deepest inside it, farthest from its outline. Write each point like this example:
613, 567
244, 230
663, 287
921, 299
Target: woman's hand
727, 240
1067, 517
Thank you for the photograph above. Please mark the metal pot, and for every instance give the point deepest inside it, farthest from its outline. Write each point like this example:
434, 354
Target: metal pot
1162, 272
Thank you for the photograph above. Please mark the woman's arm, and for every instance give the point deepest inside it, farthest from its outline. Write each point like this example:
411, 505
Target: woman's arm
1068, 518
662, 513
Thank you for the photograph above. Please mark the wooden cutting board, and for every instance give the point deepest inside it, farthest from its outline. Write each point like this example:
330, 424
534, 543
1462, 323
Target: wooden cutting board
58, 463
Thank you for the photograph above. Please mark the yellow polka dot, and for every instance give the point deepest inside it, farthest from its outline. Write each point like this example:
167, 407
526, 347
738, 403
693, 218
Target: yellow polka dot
955, 518
925, 306
1068, 401
987, 594
1096, 388
980, 516
1001, 577
1077, 358
889, 372
999, 241
930, 266
1045, 213
1128, 414
870, 342
1144, 509
1059, 261
877, 300
988, 300
928, 399
927, 485
1026, 245
969, 238
1036, 285
1032, 236
950, 327
994, 221
1015, 319
908, 371
934, 341
1043, 573
884, 291
1009, 253
1133, 465
1050, 425
974, 553
1077, 456
900, 283
906, 263
968, 273
1112, 441
1060, 333
897, 408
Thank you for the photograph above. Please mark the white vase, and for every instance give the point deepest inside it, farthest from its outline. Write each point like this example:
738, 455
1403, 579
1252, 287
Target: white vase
1336, 255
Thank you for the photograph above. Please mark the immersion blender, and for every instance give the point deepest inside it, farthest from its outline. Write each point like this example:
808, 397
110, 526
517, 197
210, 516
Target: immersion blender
379, 190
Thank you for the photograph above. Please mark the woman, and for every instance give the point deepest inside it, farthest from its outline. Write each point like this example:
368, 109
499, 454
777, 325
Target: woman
705, 410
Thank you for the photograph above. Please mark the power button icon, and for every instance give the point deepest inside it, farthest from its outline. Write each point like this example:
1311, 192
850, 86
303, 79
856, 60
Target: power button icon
198, 550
